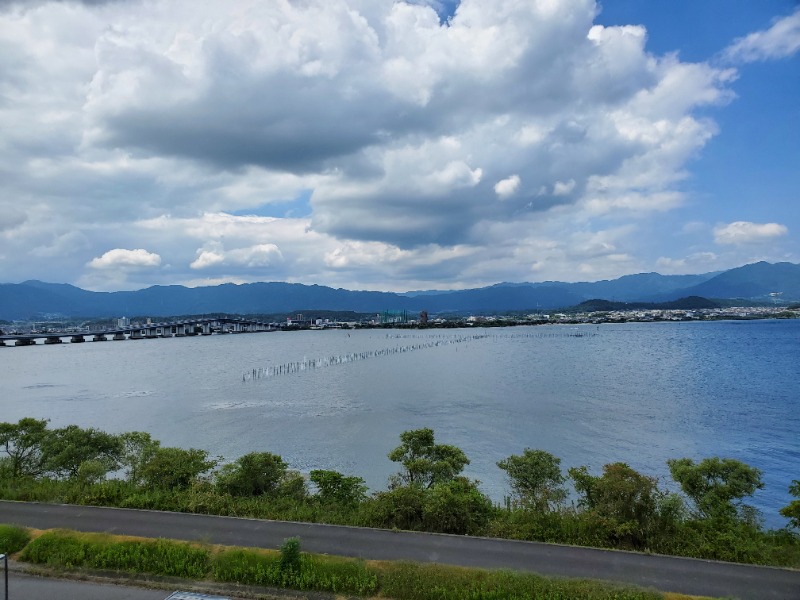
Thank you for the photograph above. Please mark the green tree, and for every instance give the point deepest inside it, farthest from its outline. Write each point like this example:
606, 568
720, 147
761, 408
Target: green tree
792, 510
535, 478
335, 488
22, 442
401, 507
176, 467
625, 501
254, 474
456, 506
66, 448
138, 447
425, 462
293, 486
716, 485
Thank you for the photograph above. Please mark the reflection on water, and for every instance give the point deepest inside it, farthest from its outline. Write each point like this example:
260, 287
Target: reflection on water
639, 393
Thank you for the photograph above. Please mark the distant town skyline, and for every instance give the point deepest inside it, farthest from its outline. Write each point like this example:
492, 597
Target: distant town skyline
391, 145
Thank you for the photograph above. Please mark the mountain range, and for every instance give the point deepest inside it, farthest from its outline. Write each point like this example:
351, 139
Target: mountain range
35, 299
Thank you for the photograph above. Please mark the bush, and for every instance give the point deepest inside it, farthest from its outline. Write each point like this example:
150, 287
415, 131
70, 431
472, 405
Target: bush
457, 506
399, 508
175, 467
65, 549
254, 474
335, 488
290, 555
13, 539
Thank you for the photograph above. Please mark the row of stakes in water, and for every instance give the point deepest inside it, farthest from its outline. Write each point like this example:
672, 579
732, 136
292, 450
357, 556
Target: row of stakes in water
317, 363
575, 333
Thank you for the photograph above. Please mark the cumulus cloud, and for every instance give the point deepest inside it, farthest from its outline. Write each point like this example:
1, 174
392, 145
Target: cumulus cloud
782, 39
185, 127
122, 258
260, 255
507, 187
744, 232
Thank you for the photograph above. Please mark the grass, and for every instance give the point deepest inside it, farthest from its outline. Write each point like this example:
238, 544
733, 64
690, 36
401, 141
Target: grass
69, 550
13, 539
65, 549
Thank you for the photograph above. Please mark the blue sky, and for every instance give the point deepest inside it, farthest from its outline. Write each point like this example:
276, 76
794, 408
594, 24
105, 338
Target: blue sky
381, 144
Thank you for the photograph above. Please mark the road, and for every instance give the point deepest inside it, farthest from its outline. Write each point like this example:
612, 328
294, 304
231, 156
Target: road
29, 587
671, 574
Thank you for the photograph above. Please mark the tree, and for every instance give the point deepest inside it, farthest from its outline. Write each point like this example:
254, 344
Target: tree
426, 463
254, 474
716, 485
792, 510
333, 487
176, 467
66, 448
456, 506
626, 501
22, 442
535, 478
138, 447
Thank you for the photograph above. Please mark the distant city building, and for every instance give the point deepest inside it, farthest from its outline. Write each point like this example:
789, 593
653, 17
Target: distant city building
123, 322
423, 317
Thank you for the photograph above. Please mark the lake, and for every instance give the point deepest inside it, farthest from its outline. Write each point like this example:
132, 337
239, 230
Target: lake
639, 393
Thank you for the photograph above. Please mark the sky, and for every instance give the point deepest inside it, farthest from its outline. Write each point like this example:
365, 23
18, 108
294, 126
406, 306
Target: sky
395, 145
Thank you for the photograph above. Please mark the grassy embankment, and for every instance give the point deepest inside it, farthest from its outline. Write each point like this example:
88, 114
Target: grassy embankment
289, 568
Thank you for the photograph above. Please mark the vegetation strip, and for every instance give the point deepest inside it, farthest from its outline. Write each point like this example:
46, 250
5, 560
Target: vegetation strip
290, 568
616, 508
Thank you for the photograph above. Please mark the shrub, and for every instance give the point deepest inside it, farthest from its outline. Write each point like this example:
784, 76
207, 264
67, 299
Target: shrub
290, 555
13, 539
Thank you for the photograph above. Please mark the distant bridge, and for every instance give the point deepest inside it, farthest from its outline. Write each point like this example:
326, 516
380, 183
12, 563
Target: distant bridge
181, 328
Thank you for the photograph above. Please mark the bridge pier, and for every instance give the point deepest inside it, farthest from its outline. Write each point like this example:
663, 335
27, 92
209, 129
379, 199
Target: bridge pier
25, 342
100, 338
52, 340
77, 339
136, 335
118, 336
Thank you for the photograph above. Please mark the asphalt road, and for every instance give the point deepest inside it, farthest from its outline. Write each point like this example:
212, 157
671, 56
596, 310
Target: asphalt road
28, 587
670, 574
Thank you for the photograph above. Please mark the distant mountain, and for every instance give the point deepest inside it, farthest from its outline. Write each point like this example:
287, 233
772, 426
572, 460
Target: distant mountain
35, 299
755, 281
689, 303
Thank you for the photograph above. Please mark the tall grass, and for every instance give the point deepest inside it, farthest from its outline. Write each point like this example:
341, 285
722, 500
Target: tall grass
412, 581
401, 581
66, 549
13, 539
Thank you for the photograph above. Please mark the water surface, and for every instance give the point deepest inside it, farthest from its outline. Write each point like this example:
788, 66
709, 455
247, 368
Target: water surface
639, 393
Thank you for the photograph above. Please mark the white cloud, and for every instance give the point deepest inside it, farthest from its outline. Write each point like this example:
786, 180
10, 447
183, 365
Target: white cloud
260, 255
563, 188
358, 143
779, 41
122, 258
698, 262
207, 258
507, 187
744, 232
